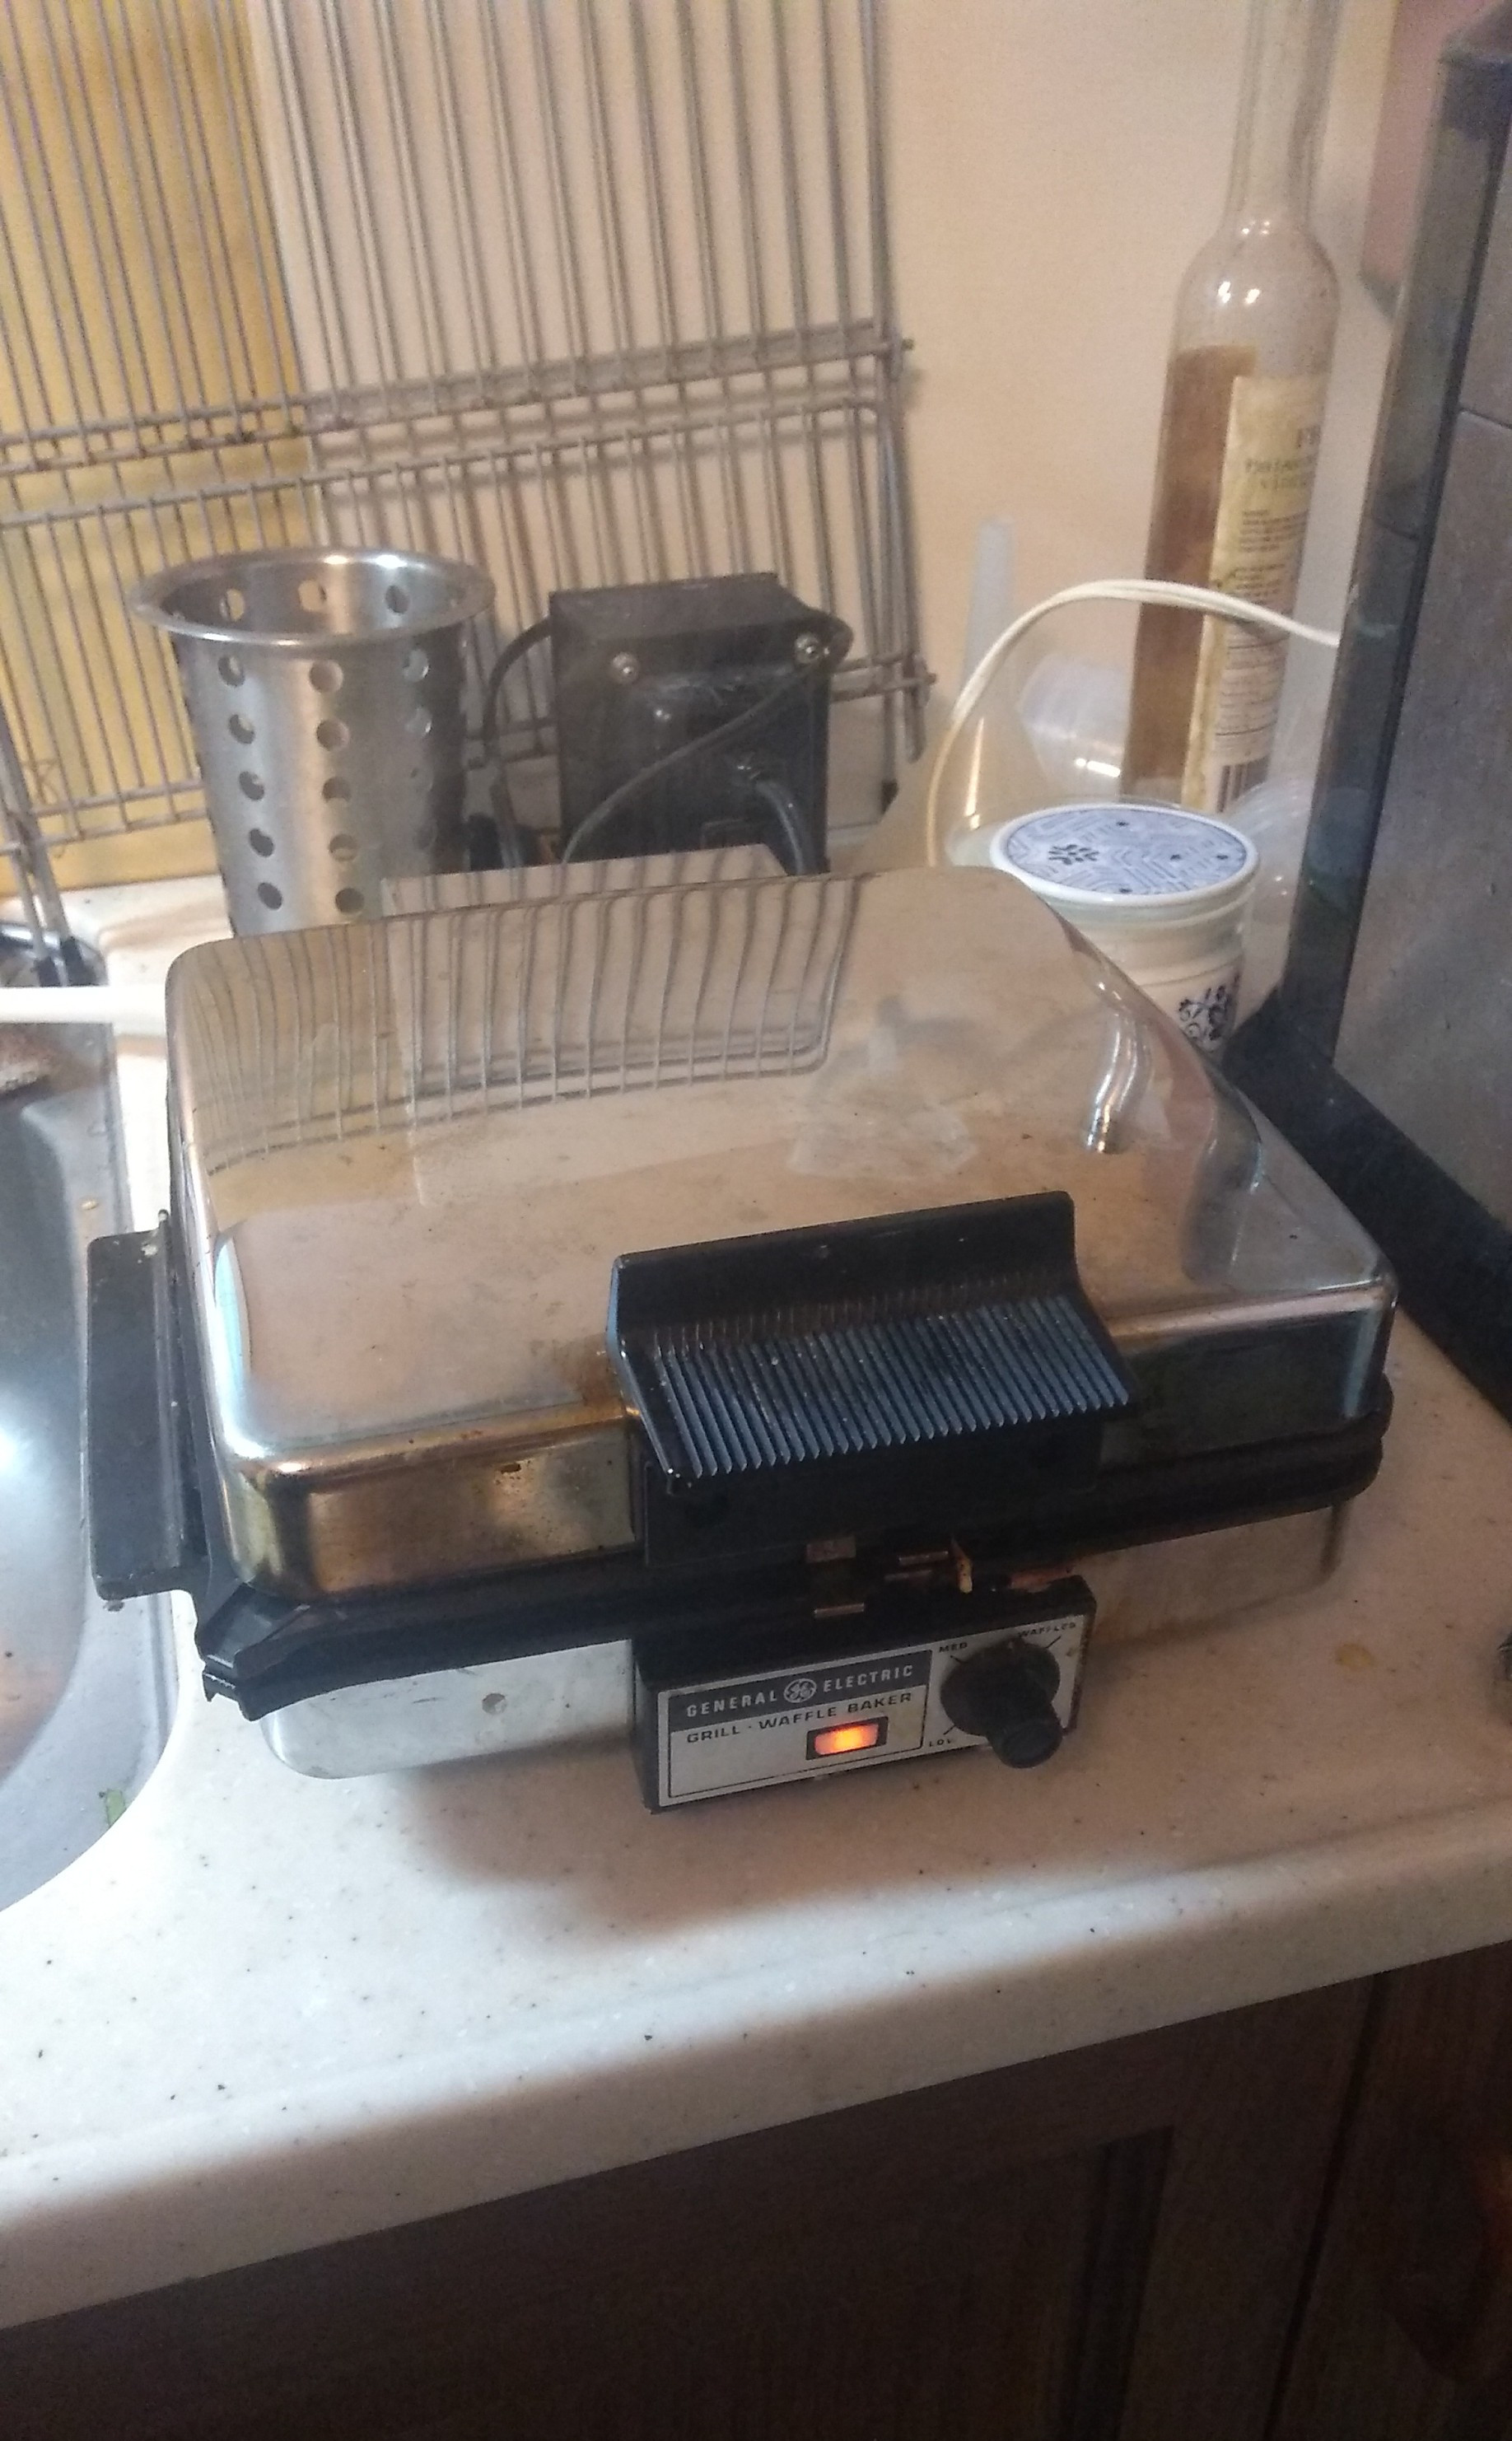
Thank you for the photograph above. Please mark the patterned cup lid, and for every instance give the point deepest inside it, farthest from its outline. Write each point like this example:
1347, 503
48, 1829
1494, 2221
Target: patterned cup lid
1151, 853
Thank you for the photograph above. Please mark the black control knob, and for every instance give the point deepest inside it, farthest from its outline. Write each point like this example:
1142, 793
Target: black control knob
1006, 1694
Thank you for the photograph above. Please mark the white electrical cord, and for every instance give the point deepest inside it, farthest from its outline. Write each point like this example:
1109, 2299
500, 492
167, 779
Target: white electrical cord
1104, 589
131, 1008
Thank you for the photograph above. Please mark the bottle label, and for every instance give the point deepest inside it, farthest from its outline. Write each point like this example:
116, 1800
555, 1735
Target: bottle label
1269, 457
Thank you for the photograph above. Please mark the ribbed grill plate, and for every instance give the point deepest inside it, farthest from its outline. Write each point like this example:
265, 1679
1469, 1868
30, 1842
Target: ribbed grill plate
739, 1405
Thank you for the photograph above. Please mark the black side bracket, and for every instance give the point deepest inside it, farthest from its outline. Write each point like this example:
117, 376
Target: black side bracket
144, 1525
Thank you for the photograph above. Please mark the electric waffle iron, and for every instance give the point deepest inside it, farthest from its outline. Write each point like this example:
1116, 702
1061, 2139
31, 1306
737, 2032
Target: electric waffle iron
756, 1318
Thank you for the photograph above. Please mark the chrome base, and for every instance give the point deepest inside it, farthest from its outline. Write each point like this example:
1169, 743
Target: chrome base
583, 1696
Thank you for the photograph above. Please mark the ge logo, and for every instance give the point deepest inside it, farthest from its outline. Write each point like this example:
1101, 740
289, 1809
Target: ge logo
799, 1691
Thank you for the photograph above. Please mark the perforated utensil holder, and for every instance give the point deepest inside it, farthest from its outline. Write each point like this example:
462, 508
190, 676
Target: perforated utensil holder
325, 693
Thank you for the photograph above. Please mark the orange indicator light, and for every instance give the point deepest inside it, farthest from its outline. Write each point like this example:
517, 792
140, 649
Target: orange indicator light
852, 1736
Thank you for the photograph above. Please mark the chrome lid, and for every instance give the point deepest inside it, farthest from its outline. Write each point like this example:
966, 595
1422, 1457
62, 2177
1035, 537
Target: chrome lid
410, 1151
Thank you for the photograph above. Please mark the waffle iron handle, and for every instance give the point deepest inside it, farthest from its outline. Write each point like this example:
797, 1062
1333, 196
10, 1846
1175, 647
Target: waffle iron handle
863, 1340
144, 1534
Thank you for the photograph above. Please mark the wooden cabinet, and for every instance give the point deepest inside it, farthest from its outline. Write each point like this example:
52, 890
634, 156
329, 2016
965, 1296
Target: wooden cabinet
1222, 2230
1408, 2330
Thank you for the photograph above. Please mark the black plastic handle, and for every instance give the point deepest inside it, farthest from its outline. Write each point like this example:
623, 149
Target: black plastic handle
143, 1518
806, 1345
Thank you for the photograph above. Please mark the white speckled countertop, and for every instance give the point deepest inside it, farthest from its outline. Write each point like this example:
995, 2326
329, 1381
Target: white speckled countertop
265, 2013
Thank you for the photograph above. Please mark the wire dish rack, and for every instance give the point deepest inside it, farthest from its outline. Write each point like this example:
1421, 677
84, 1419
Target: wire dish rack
323, 1039
582, 291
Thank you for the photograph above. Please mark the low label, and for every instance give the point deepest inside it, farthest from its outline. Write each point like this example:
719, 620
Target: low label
844, 1683
743, 1731
752, 1730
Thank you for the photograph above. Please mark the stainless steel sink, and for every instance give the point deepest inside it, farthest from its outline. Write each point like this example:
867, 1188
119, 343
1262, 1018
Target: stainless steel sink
85, 1693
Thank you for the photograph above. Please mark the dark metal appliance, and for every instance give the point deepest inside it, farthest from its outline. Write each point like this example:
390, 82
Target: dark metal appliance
692, 714
1386, 1053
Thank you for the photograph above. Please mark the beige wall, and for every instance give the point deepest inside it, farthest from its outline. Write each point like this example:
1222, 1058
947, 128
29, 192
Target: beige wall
1055, 164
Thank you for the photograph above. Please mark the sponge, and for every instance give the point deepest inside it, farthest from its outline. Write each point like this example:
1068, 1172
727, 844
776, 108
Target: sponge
24, 1058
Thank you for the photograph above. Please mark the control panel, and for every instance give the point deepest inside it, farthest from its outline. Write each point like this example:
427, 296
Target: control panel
1010, 1682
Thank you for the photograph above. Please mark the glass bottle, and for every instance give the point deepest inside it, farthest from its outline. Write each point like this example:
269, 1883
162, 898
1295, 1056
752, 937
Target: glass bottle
1243, 395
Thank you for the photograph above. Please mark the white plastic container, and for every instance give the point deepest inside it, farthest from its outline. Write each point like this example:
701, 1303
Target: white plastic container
1162, 893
